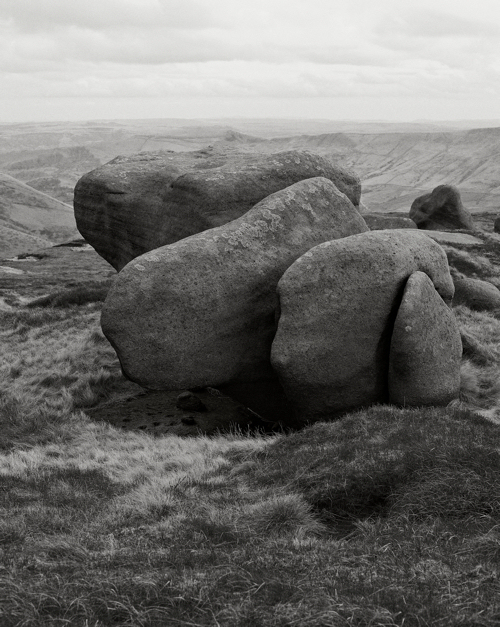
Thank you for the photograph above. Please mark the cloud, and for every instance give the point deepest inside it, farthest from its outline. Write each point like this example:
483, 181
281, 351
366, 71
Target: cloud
251, 33
51, 15
288, 49
435, 24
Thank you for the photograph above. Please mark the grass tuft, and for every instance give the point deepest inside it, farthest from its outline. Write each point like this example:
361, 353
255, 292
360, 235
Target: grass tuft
282, 514
92, 292
471, 265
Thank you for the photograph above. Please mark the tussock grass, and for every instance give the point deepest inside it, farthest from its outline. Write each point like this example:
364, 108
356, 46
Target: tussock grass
471, 265
90, 292
248, 531
386, 517
480, 371
385, 457
53, 361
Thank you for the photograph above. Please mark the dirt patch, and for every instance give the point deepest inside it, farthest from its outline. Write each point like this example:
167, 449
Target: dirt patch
9, 270
157, 413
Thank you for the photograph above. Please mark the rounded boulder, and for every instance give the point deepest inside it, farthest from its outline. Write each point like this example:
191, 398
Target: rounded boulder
441, 210
476, 294
201, 312
426, 348
338, 304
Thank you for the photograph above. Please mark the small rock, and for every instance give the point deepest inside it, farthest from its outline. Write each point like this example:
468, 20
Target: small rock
188, 401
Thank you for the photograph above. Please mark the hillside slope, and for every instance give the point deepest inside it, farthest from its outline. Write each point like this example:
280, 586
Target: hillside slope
396, 167
30, 219
396, 162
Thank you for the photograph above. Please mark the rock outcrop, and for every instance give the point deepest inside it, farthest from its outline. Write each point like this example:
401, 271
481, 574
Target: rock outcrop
441, 209
426, 348
476, 294
201, 311
338, 304
136, 204
381, 222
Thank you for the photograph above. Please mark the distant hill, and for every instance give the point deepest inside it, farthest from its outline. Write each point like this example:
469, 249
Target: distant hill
397, 167
396, 162
30, 219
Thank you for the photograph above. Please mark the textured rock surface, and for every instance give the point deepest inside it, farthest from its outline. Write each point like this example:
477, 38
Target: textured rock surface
135, 204
441, 209
476, 294
378, 222
496, 225
201, 311
454, 237
338, 304
426, 348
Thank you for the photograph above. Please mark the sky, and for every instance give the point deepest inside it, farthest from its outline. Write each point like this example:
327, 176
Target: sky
395, 60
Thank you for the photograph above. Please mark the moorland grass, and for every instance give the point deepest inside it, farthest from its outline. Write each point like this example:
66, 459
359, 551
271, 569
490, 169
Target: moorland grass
386, 517
88, 292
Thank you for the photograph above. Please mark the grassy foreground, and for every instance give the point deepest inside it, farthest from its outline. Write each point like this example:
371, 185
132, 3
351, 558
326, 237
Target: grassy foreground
387, 517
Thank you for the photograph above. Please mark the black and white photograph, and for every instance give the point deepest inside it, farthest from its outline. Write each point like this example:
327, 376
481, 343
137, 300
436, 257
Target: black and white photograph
249, 313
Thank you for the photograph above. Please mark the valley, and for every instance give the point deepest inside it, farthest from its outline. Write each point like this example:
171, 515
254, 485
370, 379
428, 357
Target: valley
41, 163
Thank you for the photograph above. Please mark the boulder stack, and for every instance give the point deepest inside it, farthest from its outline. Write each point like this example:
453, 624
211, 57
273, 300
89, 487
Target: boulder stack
135, 204
202, 311
338, 305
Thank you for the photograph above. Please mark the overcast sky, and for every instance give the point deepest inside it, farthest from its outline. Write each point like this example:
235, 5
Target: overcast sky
337, 59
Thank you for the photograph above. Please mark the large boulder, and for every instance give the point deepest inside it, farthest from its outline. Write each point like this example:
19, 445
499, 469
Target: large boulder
476, 294
426, 348
201, 311
135, 204
338, 304
440, 210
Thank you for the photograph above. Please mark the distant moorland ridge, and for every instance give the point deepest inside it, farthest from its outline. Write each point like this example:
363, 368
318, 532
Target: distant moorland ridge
396, 162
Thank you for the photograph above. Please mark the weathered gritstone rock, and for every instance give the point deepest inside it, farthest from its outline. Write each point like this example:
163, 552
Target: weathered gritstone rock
426, 348
201, 312
441, 209
476, 294
132, 205
380, 222
338, 304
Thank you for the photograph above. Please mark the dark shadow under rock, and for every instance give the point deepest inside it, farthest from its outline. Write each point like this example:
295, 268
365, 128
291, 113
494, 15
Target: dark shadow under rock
156, 413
